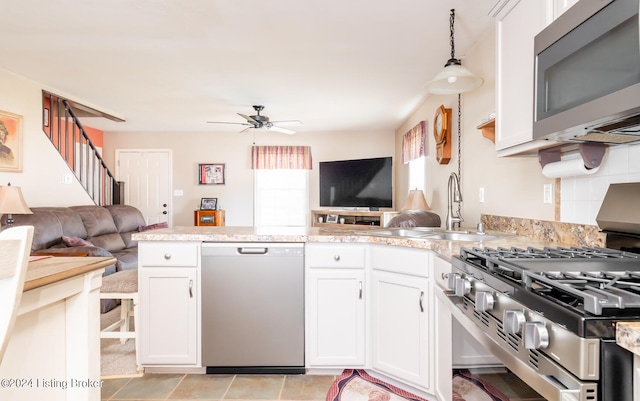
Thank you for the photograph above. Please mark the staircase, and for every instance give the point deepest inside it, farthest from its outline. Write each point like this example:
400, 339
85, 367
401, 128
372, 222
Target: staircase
67, 135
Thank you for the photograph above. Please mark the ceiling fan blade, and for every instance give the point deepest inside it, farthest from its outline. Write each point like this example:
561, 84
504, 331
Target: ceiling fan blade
287, 123
282, 130
248, 128
248, 118
226, 122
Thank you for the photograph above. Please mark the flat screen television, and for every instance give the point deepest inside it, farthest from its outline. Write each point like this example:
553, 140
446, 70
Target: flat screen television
356, 183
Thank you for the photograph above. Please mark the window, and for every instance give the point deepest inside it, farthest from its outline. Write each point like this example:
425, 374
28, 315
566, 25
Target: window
281, 197
416, 173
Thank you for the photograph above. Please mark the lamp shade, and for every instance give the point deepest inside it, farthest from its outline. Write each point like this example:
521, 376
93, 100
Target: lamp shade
416, 201
12, 202
454, 78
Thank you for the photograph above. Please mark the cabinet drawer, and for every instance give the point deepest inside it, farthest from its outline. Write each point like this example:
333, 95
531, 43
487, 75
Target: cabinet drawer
441, 269
402, 260
160, 253
331, 256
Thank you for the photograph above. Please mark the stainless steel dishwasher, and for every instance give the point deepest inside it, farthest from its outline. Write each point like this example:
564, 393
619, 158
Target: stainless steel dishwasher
253, 307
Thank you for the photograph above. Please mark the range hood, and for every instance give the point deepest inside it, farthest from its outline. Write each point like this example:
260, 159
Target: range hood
620, 210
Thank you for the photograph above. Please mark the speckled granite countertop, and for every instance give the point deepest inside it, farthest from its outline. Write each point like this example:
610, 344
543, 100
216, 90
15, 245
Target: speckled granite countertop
444, 248
628, 336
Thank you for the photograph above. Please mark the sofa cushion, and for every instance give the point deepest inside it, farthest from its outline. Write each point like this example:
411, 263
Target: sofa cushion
47, 231
127, 259
111, 242
97, 220
72, 225
126, 218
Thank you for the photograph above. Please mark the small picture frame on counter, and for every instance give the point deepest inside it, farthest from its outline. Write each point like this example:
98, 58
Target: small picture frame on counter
332, 218
208, 203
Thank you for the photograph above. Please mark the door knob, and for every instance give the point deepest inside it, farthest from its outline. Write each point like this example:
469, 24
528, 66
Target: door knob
164, 205
164, 212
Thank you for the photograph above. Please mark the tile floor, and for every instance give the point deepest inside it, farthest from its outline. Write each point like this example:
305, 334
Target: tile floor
259, 387
218, 387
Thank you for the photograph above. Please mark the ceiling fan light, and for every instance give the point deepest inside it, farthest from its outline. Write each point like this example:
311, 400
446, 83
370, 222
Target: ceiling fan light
453, 79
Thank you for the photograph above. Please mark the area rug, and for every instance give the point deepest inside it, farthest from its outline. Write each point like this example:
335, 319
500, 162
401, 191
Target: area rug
116, 359
357, 385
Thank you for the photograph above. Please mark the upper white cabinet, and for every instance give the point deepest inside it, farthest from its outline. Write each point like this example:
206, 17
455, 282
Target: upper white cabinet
517, 23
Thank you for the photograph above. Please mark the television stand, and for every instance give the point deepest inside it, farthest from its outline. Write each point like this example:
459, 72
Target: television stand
353, 219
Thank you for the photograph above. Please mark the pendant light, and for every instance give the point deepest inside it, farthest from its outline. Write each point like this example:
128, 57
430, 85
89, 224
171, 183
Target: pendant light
454, 78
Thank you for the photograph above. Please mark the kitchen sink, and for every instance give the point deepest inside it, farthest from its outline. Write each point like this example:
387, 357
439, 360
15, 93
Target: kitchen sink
402, 232
435, 233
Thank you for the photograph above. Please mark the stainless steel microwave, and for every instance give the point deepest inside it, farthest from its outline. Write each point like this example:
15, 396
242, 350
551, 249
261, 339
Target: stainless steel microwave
587, 74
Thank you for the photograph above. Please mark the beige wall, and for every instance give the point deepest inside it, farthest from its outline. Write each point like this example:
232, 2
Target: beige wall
234, 149
513, 186
43, 169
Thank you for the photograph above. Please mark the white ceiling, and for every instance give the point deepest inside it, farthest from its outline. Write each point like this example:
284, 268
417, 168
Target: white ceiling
172, 65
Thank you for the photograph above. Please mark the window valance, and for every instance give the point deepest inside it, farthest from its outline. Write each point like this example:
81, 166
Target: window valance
413, 143
281, 157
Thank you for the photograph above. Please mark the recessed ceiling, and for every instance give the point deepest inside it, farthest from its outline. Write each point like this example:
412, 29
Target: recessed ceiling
167, 65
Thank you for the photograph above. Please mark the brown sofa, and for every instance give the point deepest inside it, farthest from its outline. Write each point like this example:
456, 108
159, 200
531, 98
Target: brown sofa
88, 230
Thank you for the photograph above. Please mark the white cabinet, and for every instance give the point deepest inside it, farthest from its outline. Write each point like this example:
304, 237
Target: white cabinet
517, 23
168, 288
401, 314
335, 306
442, 330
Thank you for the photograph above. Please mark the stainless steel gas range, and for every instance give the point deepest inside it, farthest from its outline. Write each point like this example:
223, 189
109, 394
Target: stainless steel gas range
550, 314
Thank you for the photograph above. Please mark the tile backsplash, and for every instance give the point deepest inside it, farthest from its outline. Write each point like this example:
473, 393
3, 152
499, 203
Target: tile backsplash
581, 196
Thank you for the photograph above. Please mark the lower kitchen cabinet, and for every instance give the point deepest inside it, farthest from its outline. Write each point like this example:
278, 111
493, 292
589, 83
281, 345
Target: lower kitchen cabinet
336, 318
400, 319
442, 331
168, 316
168, 289
335, 305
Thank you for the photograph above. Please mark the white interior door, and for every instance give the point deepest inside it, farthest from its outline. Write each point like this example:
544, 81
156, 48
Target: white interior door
146, 175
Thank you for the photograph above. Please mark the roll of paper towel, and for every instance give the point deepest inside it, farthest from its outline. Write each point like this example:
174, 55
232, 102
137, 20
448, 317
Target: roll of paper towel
567, 168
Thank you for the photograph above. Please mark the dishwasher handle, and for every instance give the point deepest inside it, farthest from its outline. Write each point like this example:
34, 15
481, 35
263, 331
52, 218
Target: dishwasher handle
252, 250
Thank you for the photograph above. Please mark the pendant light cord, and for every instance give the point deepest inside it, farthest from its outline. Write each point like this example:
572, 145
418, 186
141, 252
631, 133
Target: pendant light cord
452, 18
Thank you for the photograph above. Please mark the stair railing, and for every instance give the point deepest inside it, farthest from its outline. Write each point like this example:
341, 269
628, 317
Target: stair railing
68, 136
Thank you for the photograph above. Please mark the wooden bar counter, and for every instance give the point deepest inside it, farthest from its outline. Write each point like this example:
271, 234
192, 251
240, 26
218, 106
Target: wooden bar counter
54, 349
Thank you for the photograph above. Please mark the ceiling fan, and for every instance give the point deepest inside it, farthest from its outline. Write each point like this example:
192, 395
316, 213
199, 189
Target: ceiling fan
258, 121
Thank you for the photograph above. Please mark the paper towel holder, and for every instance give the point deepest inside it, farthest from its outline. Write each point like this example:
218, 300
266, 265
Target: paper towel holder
592, 154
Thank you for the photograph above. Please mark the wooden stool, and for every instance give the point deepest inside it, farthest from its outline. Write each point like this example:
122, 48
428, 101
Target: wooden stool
122, 285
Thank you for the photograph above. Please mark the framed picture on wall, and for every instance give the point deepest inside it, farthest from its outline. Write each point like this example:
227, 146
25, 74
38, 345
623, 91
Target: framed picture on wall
10, 142
208, 203
211, 174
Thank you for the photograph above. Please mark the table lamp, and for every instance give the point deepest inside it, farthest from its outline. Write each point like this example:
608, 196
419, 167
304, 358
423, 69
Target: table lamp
416, 201
12, 202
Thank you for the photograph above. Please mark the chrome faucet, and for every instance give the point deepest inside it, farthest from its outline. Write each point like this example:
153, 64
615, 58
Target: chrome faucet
453, 186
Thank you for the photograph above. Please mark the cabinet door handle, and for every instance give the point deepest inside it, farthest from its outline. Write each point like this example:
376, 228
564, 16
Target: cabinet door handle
167, 256
360, 292
190, 288
421, 298
336, 258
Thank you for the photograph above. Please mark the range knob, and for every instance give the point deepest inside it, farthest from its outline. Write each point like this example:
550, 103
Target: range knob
463, 286
513, 321
484, 301
536, 335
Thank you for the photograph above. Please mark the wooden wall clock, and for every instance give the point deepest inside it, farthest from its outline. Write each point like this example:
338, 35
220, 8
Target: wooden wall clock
442, 134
